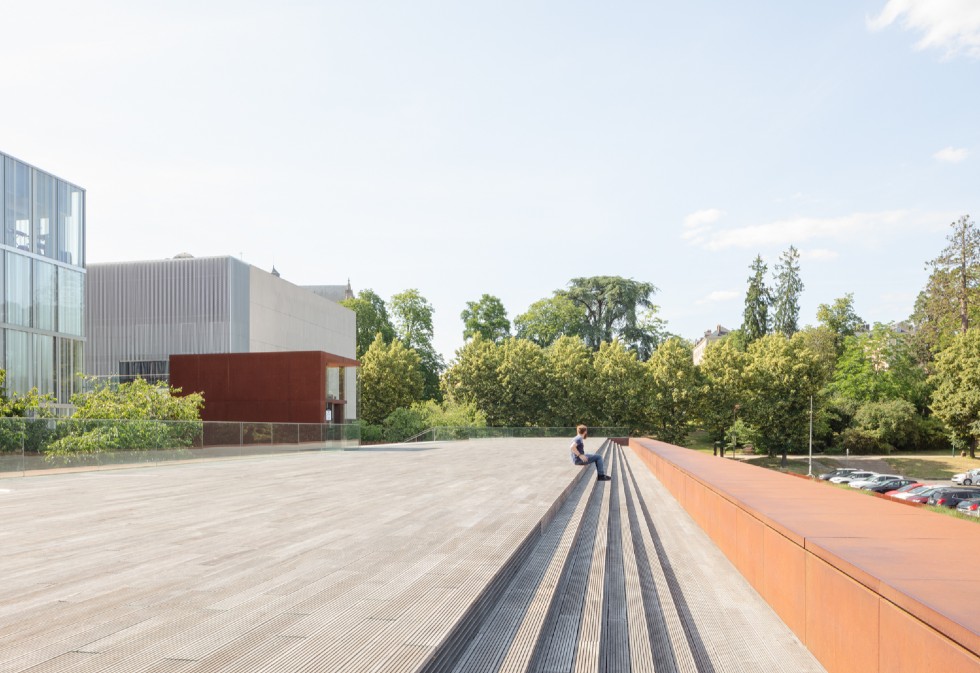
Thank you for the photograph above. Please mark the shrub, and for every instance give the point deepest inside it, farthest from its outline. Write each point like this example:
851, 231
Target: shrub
402, 423
864, 443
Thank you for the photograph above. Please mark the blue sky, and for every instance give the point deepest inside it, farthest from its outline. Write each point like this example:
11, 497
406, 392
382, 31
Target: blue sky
507, 147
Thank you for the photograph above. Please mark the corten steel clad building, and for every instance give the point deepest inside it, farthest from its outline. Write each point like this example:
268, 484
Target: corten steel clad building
42, 280
139, 314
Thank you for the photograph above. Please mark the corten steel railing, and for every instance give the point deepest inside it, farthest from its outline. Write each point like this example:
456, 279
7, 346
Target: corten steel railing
449, 433
31, 445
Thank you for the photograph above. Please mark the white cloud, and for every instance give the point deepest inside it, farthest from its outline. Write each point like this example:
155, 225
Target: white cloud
698, 224
819, 254
719, 296
950, 25
952, 155
866, 228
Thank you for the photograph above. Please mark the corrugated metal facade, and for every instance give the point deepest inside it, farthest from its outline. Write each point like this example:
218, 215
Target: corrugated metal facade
147, 311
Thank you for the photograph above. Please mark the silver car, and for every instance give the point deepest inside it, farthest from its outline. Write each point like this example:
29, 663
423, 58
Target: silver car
967, 478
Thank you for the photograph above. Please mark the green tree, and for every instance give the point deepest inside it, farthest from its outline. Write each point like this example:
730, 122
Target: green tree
780, 377
755, 317
390, 378
622, 390
137, 400
450, 414
722, 385
523, 387
893, 422
473, 378
841, 319
956, 400
786, 293
572, 383
674, 382
612, 307
372, 319
487, 318
880, 365
412, 315
546, 320
133, 416
951, 300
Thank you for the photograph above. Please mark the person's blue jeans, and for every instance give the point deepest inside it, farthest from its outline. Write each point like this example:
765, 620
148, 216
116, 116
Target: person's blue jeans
600, 468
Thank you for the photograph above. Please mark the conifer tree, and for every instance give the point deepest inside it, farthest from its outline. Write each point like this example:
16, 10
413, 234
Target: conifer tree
786, 295
755, 318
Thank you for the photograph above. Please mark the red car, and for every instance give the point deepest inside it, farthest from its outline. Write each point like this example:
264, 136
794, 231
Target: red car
904, 489
923, 496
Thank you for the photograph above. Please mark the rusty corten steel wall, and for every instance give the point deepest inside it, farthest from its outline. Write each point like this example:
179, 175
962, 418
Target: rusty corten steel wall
285, 387
866, 584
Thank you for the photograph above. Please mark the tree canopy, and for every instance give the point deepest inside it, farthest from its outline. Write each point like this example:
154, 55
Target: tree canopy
486, 317
786, 293
372, 319
755, 316
613, 310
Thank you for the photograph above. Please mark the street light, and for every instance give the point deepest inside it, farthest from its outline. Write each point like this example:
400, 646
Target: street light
734, 431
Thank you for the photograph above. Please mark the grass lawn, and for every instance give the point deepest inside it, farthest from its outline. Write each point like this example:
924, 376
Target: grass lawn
931, 466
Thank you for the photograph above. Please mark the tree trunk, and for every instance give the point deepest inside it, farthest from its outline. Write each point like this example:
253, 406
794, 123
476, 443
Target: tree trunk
973, 447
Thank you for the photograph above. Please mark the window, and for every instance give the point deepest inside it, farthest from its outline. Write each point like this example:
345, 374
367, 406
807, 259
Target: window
45, 213
71, 225
19, 298
17, 204
45, 295
18, 354
148, 370
71, 293
44, 363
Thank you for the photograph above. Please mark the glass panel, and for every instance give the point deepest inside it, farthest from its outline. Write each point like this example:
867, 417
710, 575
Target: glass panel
18, 289
78, 363
71, 216
45, 213
18, 352
333, 383
17, 204
65, 370
45, 297
70, 298
44, 363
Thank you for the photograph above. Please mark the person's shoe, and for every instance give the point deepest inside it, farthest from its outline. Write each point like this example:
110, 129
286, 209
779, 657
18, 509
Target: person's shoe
603, 477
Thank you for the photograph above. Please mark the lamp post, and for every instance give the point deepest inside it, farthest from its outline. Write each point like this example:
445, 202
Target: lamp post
734, 431
810, 469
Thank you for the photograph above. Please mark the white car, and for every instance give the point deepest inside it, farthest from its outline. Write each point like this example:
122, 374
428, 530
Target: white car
845, 478
967, 478
873, 481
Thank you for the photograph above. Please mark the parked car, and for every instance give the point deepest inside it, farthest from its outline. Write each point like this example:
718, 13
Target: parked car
890, 485
908, 488
952, 496
845, 478
873, 481
969, 507
839, 472
922, 497
967, 478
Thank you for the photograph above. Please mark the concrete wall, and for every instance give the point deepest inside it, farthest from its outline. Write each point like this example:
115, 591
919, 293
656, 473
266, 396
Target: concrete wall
868, 585
285, 317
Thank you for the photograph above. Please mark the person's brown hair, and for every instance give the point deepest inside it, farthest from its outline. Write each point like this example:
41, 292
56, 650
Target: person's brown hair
581, 428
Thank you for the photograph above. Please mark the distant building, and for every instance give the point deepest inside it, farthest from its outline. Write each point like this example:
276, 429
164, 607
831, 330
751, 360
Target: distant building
335, 293
42, 280
142, 313
701, 344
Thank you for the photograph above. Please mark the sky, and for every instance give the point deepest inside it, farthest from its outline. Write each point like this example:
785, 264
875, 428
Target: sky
504, 148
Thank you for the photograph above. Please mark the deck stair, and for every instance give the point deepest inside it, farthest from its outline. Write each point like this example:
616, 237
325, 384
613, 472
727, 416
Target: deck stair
619, 580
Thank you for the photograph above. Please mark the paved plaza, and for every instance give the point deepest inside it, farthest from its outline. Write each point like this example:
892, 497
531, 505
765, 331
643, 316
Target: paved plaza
367, 560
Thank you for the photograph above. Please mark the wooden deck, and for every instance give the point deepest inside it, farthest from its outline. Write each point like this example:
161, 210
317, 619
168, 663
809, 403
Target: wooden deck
490, 555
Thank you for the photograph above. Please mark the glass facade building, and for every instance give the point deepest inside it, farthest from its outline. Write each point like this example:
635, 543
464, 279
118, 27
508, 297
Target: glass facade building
42, 280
